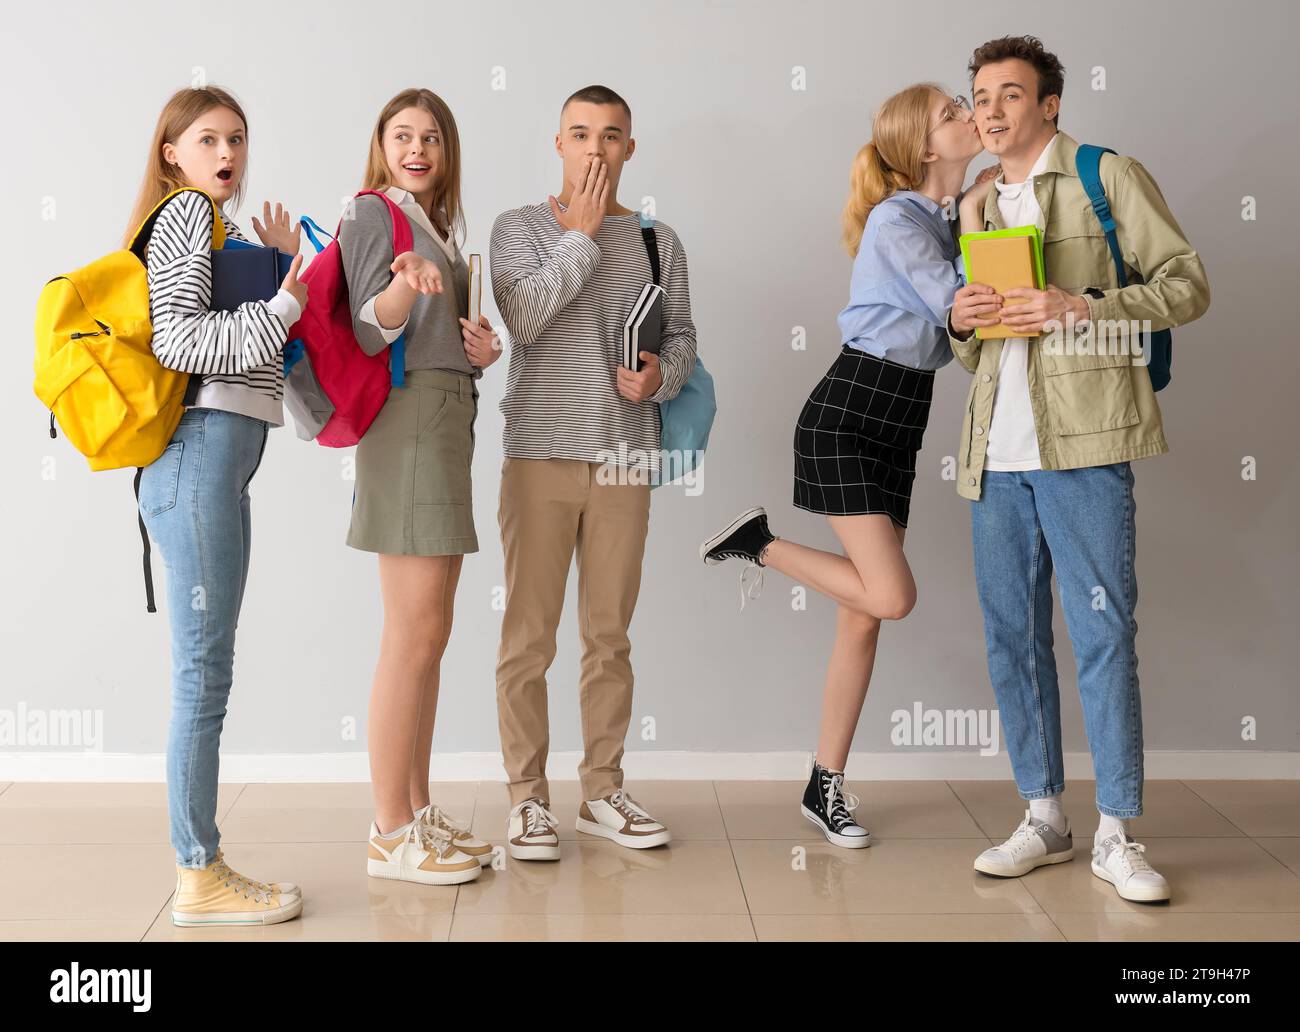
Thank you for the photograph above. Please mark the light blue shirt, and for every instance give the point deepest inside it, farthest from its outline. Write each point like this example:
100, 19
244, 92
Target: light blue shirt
904, 279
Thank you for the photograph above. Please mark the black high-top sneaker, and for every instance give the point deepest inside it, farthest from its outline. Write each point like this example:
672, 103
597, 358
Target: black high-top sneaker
830, 806
745, 537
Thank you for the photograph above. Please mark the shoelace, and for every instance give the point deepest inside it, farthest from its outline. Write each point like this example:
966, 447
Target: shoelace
1020, 838
432, 837
260, 891
840, 803
1133, 858
438, 817
537, 819
626, 805
754, 588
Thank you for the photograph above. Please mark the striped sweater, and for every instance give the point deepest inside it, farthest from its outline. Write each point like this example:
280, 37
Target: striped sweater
238, 354
564, 298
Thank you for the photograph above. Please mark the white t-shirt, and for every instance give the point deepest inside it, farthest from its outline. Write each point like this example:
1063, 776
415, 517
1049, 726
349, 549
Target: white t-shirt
1013, 441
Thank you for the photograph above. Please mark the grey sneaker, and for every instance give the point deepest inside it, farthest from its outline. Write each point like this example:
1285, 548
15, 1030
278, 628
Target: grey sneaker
1031, 845
1122, 862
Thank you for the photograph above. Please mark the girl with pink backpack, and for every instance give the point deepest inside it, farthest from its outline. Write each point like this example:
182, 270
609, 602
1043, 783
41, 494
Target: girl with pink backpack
408, 294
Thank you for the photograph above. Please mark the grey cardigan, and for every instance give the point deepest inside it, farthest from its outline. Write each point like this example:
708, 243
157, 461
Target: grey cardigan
433, 334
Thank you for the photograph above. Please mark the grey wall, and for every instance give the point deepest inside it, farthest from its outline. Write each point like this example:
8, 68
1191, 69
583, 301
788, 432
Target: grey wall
752, 174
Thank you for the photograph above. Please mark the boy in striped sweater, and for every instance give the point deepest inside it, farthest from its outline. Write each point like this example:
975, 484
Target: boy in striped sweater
582, 437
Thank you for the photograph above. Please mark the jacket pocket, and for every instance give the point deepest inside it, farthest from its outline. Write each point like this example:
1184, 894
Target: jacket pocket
1090, 393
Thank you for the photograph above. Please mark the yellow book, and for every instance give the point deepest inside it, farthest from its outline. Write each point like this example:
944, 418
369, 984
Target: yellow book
1002, 259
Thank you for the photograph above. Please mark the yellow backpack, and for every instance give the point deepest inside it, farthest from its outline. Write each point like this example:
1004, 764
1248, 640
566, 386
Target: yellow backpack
95, 367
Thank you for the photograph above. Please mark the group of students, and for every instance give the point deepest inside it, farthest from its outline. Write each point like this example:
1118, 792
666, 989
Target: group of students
1044, 457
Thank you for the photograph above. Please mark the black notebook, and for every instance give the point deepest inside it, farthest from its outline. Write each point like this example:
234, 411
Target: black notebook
643, 330
246, 272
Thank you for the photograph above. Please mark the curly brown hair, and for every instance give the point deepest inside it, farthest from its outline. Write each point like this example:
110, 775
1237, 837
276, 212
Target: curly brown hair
1051, 73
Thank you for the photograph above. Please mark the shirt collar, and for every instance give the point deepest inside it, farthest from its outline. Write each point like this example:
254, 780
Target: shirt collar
1013, 190
405, 200
928, 203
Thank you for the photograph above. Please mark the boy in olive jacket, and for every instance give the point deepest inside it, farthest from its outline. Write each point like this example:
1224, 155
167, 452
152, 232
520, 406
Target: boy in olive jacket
1051, 425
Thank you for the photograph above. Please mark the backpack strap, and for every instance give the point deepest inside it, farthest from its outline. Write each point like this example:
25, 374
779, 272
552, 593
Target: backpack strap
402, 242
144, 538
652, 247
141, 238
1087, 163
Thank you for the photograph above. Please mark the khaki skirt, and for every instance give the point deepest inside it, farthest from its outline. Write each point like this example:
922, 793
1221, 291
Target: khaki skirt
412, 492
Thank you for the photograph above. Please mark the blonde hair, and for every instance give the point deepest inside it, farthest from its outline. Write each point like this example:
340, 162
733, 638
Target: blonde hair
446, 194
891, 160
161, 178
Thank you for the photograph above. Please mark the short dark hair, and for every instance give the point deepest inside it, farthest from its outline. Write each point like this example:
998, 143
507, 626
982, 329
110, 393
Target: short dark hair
599, 95
1051, 73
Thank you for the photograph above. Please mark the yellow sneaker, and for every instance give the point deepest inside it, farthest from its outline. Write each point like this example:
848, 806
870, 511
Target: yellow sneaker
461, 837
216, 895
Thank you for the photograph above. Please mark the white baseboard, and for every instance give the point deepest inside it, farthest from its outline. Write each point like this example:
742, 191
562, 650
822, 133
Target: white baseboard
915, 765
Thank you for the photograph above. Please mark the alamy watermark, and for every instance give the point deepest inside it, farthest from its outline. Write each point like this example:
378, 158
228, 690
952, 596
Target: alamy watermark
76, 729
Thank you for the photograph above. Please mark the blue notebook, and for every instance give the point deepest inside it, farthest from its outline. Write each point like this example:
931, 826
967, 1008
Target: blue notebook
242, 271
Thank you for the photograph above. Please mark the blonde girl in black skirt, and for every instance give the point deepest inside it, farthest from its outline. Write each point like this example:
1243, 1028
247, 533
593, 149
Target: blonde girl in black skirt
857, 437
413, 502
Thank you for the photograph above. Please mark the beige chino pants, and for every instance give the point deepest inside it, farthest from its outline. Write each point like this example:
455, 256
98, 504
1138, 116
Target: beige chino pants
549, 510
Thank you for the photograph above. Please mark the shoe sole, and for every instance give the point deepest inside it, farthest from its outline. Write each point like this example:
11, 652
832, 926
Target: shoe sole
661, 838
1134, 896
284, 913
1018, 872
533, 852
835, 839
393, 872
726, 532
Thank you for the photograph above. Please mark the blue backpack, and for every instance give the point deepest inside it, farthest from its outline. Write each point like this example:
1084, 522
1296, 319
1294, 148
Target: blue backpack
1159, 346
686, 419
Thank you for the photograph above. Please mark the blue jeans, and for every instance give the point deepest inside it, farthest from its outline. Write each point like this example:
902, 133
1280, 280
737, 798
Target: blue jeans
194, 500
1080, 522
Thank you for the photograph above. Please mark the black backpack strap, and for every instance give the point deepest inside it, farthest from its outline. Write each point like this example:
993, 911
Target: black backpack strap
652, 248
144, 538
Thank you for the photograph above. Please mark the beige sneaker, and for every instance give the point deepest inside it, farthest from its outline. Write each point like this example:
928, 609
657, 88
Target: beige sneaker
216, 895
530, 832
419, 852
461, 837
621, 819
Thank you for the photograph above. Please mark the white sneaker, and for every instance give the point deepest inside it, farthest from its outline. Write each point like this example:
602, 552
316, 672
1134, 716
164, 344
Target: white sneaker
1033, 844
530, 832
422, 853
1122, 862
461, 837
620, 819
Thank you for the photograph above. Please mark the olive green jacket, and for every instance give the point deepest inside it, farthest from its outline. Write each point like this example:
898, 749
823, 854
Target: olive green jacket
1092, 405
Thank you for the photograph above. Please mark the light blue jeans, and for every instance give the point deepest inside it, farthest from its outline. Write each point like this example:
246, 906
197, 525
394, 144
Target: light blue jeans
194, 500
1080, 523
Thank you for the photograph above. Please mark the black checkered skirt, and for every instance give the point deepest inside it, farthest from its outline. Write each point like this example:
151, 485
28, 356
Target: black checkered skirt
856, 440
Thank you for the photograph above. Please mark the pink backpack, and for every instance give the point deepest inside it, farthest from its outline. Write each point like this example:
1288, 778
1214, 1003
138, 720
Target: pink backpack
356, 384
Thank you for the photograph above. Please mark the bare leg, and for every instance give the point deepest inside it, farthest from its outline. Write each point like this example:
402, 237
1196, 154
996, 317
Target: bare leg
847, 678
873, 576
414, 589
429, 704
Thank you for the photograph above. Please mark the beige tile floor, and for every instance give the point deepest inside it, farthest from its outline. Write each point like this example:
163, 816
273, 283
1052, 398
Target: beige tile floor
744, 865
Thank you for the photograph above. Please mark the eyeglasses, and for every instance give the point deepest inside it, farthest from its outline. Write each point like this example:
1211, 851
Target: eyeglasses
953, 112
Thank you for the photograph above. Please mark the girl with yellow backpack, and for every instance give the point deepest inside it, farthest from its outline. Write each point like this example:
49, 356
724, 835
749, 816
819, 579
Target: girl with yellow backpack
194, 496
